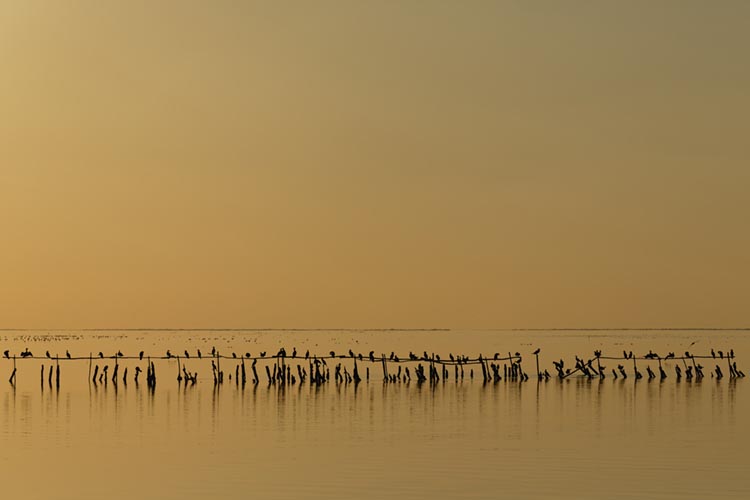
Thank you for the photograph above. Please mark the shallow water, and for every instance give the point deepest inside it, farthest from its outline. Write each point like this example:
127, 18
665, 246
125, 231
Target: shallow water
575, 438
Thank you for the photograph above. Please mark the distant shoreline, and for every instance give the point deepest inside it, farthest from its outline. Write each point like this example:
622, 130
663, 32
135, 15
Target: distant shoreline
566, 329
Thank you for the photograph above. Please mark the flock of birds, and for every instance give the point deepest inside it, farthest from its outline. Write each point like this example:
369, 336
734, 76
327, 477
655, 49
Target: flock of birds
490, 365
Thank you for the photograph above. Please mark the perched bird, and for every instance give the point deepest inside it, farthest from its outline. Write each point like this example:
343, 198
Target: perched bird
119, 354
140, 355
721, 354
101, 355
199, 354
713, 354
67, 353
294, 352
372, 355
351, 353
307, 354
187, 354
497, 355
234, 354
6, 353
537, 351
247, 354
48, 355
169, 354
263, 354
333, 354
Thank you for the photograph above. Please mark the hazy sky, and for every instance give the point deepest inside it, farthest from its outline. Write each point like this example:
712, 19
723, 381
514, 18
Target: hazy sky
374, 164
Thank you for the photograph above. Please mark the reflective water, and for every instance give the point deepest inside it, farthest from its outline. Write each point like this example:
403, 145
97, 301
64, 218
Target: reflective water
572, 439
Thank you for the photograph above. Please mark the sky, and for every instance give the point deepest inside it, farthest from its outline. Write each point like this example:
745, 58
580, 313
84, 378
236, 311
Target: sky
353, 164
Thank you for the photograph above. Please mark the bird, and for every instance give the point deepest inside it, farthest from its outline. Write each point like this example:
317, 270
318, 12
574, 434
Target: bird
213, 351
48, 354
263, 354
67, 353
713, 354
333, 354
307, 354
497, 355
537, 351
294, 352
372, 355
187, 354
450, 356
6, 353
169, 354
101, 355
199, 354
234, 354
247, 354
140, 355
721, 354
351, 353
119, 354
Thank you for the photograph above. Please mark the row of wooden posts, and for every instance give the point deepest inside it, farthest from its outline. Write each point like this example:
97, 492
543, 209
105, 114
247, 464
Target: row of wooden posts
279, 370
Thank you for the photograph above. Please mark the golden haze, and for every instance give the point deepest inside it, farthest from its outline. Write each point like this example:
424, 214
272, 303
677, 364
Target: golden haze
397, 164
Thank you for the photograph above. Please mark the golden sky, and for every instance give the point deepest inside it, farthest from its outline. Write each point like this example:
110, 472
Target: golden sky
374, 164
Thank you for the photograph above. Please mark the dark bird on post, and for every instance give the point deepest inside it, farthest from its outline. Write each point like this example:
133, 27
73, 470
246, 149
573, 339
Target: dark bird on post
119, 354
497, 355
234, 354
199, 354
101, 355
263, 354
450, 356
351, 353
333, 354
307, 354
731, 353
537, 351
294, 352
169, 354
721, 354
140, 355
48, 355
713, 354
6, 353
213, 351
67, 353
187, 354
372, 355
247, 354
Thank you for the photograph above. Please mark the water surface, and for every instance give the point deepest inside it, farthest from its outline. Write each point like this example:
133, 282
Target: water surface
575, 438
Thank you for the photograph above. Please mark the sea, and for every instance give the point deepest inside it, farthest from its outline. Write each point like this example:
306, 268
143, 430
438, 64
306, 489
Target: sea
580, 437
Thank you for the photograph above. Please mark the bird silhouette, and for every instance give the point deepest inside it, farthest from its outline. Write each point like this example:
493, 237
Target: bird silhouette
48, 354
169, 354
67, 353
140, 355
101, 354
537, 351
187, 355
263, 354
199, 354
6, 353
713, 354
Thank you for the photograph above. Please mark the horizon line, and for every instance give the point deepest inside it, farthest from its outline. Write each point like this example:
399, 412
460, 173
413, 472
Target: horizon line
392, 329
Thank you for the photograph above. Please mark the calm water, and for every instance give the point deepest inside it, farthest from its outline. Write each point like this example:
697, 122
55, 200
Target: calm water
569, 439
